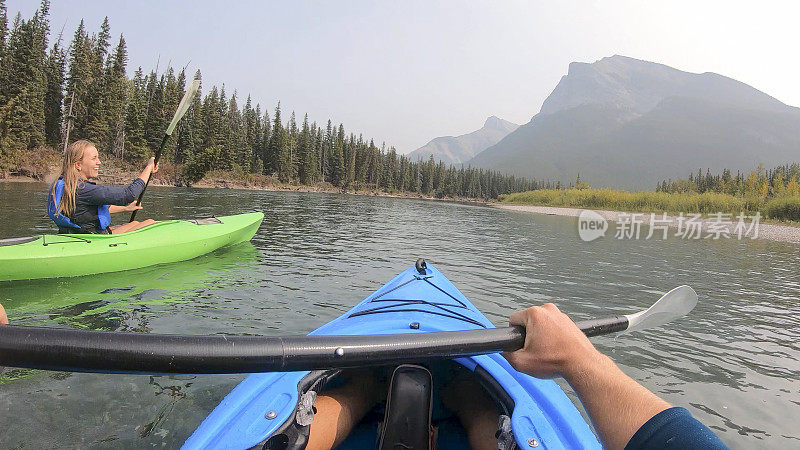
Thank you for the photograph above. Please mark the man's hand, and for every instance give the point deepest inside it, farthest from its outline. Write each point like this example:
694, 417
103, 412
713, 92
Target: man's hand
3, 317
554, 345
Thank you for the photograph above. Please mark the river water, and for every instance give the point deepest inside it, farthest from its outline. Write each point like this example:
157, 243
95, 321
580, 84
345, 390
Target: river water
733, 362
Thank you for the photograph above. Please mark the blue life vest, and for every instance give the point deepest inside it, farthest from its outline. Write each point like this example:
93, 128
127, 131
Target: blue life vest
103, 214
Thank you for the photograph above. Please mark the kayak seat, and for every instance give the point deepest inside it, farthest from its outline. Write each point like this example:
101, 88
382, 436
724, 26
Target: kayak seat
409, 402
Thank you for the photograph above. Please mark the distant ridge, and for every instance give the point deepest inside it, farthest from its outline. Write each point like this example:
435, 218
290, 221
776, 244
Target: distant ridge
626, 123
459, 149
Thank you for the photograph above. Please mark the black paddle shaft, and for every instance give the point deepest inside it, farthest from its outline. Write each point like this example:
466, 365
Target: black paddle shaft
112, 352
147, 183
605, 325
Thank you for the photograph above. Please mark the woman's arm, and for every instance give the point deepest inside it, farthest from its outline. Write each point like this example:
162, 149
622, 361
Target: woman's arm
93, 194
130, 207
119, 196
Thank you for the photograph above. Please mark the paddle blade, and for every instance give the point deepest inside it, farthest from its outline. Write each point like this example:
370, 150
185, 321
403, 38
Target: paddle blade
672, 305
186, 101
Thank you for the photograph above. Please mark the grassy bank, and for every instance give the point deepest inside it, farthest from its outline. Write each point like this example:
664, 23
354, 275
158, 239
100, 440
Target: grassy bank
778, 208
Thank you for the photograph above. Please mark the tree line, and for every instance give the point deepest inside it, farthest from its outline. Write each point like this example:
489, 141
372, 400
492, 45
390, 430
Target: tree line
43, 88
780, 181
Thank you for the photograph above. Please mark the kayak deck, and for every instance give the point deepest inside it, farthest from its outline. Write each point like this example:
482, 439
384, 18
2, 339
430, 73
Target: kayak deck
68, 255
412, 302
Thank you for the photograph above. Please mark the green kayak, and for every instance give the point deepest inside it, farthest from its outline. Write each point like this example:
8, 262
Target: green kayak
69, 255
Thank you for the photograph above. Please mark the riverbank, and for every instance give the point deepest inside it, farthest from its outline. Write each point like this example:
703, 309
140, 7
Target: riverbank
43, 168
767, 231
771, 203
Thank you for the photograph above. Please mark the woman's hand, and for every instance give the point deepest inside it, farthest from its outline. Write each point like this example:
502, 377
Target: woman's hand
151, 164
132, 206
149, 169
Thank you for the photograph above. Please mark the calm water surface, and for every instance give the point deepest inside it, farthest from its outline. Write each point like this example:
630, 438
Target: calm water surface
733, 363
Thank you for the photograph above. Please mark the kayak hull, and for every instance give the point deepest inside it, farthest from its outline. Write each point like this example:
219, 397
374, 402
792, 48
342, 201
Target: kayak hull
69, 255
410, 303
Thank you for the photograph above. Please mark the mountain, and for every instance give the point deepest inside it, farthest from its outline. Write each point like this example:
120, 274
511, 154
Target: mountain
459, 149
626, 123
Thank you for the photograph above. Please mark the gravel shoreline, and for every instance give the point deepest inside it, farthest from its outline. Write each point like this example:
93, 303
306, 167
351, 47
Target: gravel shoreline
768, 231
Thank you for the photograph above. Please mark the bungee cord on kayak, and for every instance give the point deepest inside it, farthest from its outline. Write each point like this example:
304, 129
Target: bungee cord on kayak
403, 303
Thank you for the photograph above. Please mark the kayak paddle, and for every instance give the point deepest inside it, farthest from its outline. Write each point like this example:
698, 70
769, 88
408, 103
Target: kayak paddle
672, 305
113, 352
184, 104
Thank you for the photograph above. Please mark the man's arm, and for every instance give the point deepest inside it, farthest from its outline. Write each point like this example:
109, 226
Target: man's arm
555, 346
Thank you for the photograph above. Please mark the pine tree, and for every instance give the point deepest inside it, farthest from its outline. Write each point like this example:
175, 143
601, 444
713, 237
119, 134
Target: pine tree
251, 132
78, 80
305, 147
427, 176
24, 84
102, 41
173, 87
237, 147
286, 152
155, 121
277, 143
257, 135
212, 120
319, 145
3, 29
97, 127
135, 144
266, 135
116, 97
38, 82
326, 150
337, 170
54, 96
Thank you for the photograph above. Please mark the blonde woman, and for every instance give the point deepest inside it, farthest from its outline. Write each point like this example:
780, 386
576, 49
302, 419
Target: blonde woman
78, 205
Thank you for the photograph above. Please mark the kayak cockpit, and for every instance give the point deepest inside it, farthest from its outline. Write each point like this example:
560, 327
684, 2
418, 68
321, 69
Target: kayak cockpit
414, 407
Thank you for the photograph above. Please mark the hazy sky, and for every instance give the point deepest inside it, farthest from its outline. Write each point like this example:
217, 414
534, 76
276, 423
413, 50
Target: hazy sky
407, 71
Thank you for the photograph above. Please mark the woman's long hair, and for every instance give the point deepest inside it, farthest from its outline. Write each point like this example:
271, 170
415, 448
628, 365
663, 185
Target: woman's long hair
71, 176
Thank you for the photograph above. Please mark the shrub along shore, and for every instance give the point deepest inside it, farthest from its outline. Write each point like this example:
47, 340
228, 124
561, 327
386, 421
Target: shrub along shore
782, 208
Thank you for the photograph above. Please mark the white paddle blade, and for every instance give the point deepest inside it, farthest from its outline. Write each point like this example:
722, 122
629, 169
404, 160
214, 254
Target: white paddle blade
672, 305
186, 101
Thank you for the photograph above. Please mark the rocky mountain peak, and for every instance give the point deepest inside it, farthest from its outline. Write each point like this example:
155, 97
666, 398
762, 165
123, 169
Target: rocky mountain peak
638, 86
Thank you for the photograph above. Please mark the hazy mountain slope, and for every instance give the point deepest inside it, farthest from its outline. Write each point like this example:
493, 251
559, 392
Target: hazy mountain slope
621, 122
459, 149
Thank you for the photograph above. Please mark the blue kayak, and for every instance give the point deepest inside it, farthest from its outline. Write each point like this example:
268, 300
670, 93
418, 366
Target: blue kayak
270, 410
